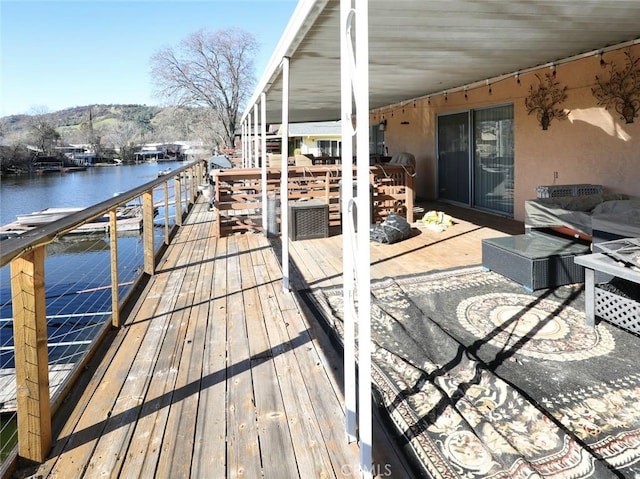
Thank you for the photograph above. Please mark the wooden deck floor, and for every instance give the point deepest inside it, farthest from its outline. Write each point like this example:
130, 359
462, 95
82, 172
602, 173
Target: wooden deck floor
319, 261
216, 373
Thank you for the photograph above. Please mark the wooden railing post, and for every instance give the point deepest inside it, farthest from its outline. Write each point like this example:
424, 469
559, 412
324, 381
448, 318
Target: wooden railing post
115, 294
177, 193
216, 198
31, 357
409, 182
187, 191
166, 213
147, 232
193, 183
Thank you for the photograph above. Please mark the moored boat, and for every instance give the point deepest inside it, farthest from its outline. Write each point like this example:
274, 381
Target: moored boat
48, 215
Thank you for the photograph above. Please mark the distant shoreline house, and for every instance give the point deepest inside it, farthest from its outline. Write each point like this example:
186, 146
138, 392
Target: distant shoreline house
80, 155
319, 139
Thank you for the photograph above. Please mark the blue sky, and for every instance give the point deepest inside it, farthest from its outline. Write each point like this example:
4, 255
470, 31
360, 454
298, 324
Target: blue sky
61, 54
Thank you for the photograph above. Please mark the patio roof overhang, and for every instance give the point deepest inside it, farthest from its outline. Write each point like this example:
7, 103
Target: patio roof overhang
421, 48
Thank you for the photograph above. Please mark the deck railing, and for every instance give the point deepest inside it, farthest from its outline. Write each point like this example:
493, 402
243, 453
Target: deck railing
163, 204
238, 193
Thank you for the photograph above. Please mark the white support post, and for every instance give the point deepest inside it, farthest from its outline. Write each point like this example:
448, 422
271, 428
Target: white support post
284, 176
256, 138
249, 142
346, 191
363, 202
246, 148
363, 262
242, 142
263, 164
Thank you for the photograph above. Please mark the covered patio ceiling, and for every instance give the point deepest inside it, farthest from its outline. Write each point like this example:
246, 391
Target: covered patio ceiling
423, 47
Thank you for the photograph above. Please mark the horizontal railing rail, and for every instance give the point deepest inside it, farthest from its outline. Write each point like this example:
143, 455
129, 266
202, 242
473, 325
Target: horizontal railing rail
47, 233
31, 295
238, 193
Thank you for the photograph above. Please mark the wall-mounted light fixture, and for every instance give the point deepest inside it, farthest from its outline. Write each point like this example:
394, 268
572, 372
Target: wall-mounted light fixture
603, 64
382, 125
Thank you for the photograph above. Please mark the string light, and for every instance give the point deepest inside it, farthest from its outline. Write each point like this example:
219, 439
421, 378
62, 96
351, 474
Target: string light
603, 64
401, 106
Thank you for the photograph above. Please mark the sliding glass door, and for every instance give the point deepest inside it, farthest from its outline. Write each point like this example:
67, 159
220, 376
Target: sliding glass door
453, 157
493, 159
475, 158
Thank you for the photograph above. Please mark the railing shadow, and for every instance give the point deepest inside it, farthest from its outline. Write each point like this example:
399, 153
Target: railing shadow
151, 406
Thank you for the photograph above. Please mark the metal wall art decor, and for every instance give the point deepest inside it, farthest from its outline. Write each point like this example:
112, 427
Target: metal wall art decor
545, 100
622, 90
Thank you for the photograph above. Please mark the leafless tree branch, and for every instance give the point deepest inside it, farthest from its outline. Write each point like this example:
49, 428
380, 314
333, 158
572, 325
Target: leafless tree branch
214, 70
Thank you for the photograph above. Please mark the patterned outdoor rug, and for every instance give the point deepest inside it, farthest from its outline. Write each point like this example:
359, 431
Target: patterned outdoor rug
482, 380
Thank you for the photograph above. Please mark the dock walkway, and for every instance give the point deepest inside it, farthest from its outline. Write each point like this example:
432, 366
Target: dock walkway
217, 372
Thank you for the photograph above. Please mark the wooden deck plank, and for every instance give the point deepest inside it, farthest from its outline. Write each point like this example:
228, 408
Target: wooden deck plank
324, 401
313, 260
111, 449
276, 448
243, 453
311, 455
181, 424
144, 455
209, 455
86, 426
257, 337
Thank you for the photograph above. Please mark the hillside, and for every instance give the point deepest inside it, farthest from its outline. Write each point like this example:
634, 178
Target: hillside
72, 118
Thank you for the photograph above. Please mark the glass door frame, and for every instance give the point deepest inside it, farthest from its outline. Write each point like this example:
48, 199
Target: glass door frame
471, 160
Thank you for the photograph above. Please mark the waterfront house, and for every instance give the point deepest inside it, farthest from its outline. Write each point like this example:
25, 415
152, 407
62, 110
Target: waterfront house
319, 139
220, 371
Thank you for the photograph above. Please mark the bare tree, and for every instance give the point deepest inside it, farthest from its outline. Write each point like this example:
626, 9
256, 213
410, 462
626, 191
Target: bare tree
43, 134
215, 70
123, 136
174, 123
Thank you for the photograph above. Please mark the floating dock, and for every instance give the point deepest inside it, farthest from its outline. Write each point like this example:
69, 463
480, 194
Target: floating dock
130, 219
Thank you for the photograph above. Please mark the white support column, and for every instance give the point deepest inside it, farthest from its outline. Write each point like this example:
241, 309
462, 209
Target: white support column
249, 142
363, 262
256, 138
284, 176
263, 161
244, 143
348, 238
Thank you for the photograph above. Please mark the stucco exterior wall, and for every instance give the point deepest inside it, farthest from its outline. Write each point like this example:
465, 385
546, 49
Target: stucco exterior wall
592, 145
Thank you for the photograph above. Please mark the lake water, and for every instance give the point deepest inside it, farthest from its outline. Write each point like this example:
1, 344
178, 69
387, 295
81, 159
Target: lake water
27, 193
77, 268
